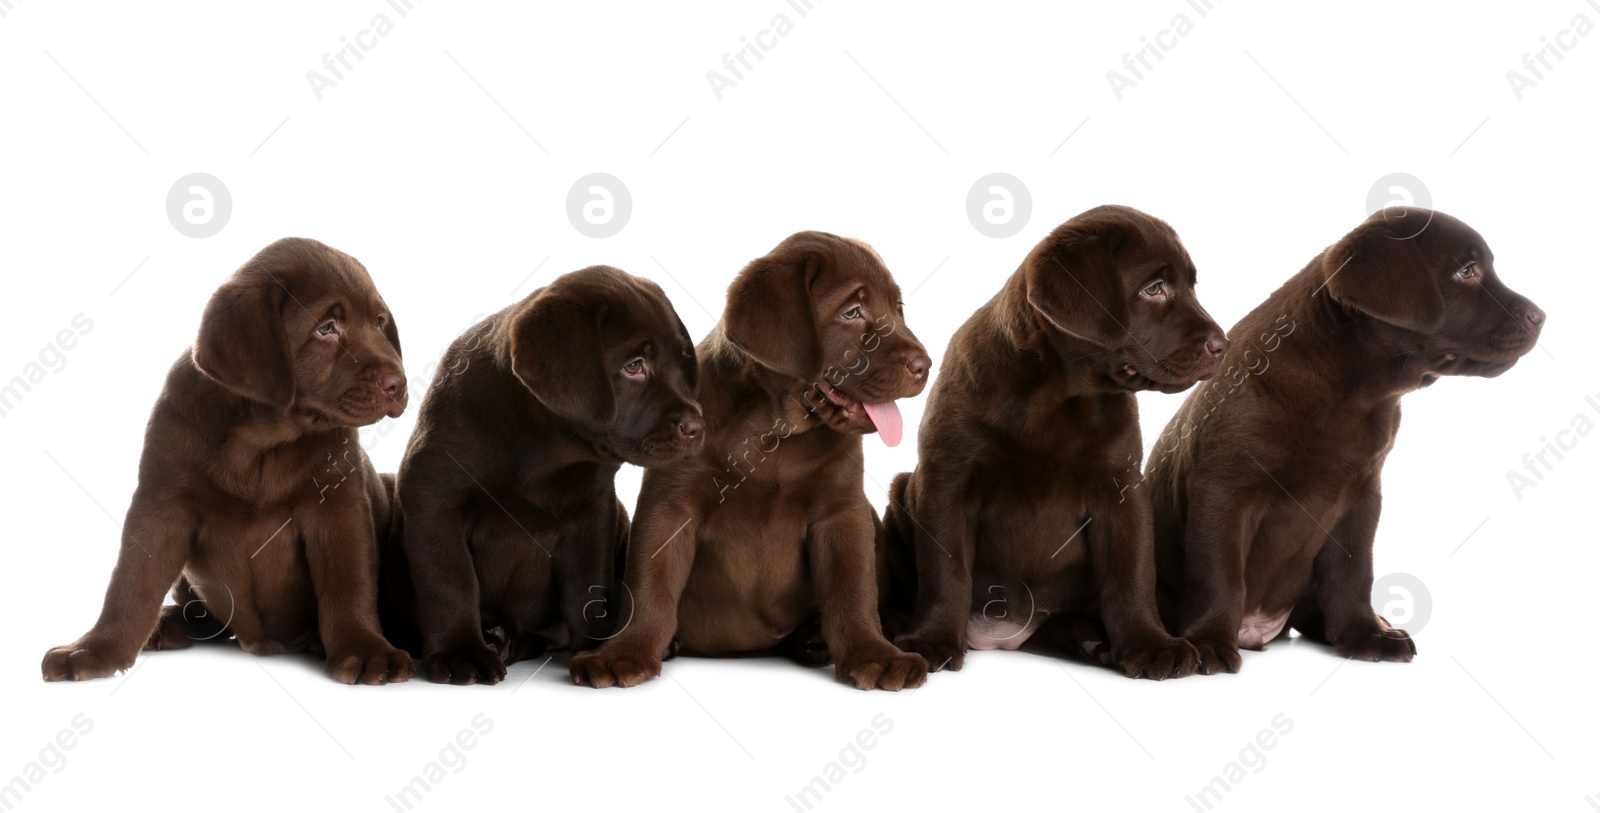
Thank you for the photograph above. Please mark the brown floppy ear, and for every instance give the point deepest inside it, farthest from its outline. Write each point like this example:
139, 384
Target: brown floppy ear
242, 343
555, 351
769, 313
1072, 280
1379, 269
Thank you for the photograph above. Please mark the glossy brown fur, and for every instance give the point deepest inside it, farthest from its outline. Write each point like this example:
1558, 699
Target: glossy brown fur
1019, 523
1266, 483
255, 503
766, 536
511, 528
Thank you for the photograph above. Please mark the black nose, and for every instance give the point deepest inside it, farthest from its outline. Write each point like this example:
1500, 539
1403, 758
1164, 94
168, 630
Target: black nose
918, 366
1217, 344
690, 426
392, 383
1534, 315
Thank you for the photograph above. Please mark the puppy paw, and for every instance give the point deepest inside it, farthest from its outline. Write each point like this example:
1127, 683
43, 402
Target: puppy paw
1158, 659
84, 660
1377, 645
371, 666
939, 653
1218, 656
888, 669
807, 647
497, 640
464, 665
608, 666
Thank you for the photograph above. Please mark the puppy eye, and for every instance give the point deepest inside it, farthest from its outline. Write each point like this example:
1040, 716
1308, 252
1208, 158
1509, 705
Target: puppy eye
1467, 271
853, 313
635, 367
1156, 288
325, 328
382, 320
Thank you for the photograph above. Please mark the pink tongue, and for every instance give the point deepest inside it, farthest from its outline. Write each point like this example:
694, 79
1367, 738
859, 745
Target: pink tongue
885, 416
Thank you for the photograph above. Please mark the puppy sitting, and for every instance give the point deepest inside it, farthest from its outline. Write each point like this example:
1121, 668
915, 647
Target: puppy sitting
1021, 517
510, 520
766, 535
1265, 483
254, 495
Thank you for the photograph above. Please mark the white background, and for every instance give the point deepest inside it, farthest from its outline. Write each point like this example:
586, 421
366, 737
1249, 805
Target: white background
1257, 137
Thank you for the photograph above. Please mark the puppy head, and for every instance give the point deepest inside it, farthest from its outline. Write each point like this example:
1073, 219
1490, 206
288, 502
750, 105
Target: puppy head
301, 328
824, 310
1428, 284
605, 350
1118, 282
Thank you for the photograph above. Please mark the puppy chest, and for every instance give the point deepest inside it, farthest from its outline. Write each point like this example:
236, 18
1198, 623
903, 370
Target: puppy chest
746, 595
1041, 534
314, 466
1065, 464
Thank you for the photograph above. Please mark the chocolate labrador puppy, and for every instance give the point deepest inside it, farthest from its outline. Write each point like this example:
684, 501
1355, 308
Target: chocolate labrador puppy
1022, 516
256, 504
510, 525
1265, 483
766, 535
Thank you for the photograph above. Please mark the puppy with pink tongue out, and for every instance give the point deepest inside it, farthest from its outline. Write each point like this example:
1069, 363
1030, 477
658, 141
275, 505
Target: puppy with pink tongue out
765, 543
884, 418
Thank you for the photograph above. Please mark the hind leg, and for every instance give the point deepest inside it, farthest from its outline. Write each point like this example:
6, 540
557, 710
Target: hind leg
894, 621
806, 646
188, 621
527, 647
1073, 635
1307, 619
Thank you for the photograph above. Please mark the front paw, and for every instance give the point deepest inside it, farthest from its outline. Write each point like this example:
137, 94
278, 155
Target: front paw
613, 666
84, 659
1377, 645
1158, 658
372, 665
886, 668
1217, 656
464, 665
940, 653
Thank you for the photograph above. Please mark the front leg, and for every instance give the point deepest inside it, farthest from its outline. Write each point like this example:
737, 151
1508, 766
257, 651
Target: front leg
661, 550
155, 547
1342, 587
1121, 542
342, 554
941, 533
585, 572
448, 618
843, 563
1217, 536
